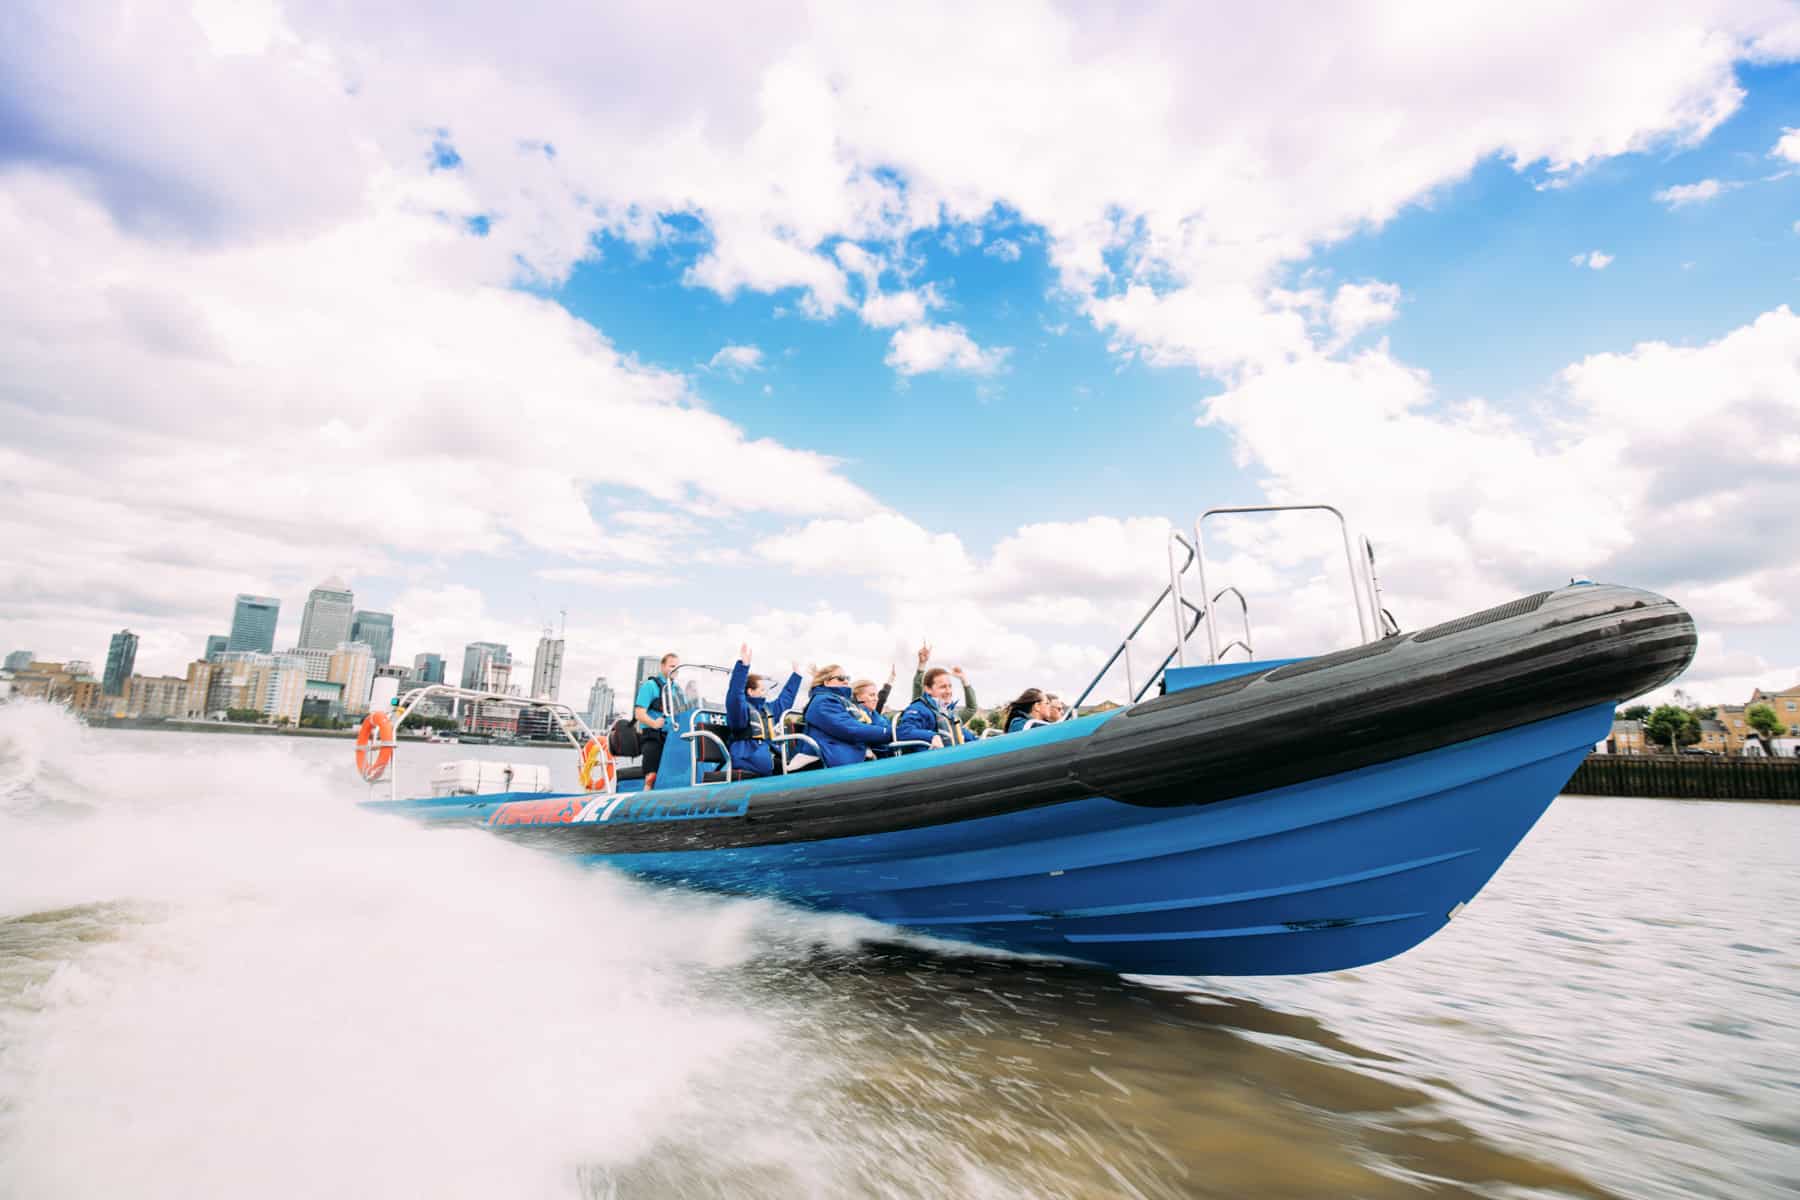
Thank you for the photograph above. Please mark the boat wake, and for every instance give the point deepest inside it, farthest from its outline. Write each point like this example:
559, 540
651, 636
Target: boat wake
219, 976
257, 989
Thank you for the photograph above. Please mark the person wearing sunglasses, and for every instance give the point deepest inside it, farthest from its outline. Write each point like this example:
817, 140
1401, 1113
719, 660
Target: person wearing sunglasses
843, 729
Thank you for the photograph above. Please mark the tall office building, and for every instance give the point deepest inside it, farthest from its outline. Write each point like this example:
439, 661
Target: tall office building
318, 662
600, 704
216, 644
647, 666
326, 619
546, 668
479, 660
353, 666
253, 623
376, 631
18, 660
428, 668
121, 657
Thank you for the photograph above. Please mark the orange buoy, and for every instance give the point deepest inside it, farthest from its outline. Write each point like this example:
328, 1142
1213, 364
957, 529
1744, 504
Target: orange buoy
375, 745
599, 773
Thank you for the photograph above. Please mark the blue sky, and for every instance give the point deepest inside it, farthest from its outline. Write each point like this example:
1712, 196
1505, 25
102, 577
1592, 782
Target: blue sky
706, 330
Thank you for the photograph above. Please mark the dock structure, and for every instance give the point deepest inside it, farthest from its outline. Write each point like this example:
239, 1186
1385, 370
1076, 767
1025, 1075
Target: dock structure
1687, 777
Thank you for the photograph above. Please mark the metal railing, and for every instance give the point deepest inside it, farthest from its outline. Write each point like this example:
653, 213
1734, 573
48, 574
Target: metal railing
1365, 591
570, 723
1184, 616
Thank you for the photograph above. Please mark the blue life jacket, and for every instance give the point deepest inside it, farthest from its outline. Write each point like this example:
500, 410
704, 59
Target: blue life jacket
843, 728
1017, 724
751, 722
925, 719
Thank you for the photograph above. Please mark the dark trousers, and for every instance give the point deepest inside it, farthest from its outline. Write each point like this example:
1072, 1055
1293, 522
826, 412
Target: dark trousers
651, 742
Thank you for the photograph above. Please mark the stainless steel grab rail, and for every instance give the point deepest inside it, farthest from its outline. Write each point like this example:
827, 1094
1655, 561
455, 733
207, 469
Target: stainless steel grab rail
1367, 606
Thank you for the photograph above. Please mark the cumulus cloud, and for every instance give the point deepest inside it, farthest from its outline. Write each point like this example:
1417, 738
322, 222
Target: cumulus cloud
1483, 505
1788, 146
1686, 195
1358, 307
254, 357
605, 580
736, 360
266, 413
918, 349
1004, 249
887, 309
1593, 260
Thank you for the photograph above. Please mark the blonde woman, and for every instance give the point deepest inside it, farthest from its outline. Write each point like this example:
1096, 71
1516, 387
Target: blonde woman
842, 728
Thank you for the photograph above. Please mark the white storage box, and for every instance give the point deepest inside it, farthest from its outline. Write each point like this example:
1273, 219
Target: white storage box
477, 777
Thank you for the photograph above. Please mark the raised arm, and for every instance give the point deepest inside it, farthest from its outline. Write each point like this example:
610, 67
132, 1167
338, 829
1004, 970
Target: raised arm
970, 705
737, 709
785, 701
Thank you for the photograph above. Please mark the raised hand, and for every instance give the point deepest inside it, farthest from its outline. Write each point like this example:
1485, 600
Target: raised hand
892, 672
958, 672
924, 655
744, 653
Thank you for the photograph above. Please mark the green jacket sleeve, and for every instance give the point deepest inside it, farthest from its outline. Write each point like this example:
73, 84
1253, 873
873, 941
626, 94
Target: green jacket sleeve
971, 706
918, 683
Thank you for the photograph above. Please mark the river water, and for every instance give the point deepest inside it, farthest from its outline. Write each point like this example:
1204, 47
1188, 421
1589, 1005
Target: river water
219, 978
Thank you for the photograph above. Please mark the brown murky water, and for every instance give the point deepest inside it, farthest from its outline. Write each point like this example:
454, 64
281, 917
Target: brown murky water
218, 978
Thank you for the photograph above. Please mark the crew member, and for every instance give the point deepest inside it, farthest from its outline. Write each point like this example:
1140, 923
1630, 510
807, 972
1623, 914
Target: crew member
655, 707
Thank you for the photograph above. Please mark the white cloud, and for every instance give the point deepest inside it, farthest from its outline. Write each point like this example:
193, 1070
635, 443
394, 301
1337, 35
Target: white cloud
884, 310
736, 360
1788, 146
255, 358
1699, 444
1594, 260
266, 413
1004, 249
607, 580
1359, 307
918, 349
1684, 195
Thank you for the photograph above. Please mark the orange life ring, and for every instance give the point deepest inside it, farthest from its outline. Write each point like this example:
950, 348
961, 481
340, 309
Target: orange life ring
599, 773
375, 745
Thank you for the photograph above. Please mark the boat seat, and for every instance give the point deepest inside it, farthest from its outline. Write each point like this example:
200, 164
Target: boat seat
635, 771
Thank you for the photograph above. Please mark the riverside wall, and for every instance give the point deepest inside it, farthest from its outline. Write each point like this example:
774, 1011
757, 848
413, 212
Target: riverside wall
1687, 777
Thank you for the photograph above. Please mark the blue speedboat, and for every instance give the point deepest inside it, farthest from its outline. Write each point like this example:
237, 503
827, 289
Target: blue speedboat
1254, 818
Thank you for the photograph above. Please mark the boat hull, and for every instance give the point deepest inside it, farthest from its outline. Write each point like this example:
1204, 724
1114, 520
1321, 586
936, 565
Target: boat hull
1318, 876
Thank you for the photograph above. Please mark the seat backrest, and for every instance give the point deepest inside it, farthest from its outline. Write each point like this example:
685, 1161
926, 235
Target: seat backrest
622, 739
709, 749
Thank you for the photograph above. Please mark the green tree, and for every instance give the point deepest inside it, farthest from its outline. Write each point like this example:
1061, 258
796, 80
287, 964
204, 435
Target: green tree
1763, 719
425, 721
1705, 712
1671, 726
244, 714
1636, 712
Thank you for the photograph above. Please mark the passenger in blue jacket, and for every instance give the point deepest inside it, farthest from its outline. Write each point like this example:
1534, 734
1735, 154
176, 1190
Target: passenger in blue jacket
843, 728
933, 717
751, 719
1032, 705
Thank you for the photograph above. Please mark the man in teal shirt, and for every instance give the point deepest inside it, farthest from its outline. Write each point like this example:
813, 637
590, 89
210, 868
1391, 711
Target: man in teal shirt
654, 709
